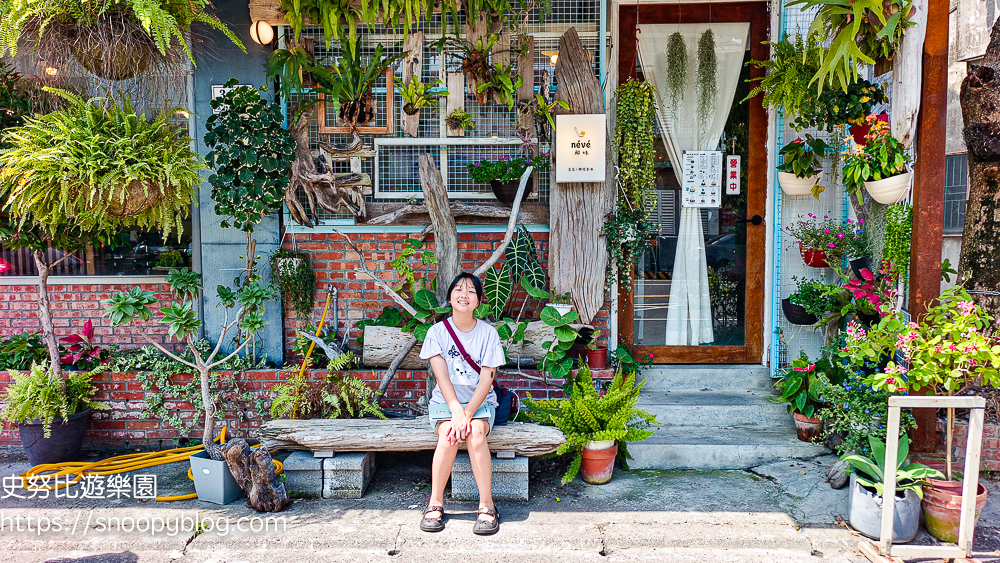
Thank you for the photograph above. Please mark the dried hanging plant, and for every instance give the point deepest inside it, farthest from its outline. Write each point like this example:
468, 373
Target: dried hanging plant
708, 65
677, 71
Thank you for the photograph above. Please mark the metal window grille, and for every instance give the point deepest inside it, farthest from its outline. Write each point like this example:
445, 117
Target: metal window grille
956, 184
395, 173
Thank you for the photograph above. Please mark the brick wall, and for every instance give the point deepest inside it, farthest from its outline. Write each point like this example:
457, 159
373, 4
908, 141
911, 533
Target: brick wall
990, 454
72, 306
127, 426
335, 262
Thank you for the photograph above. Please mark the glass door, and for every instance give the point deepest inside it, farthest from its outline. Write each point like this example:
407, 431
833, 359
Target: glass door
697, 295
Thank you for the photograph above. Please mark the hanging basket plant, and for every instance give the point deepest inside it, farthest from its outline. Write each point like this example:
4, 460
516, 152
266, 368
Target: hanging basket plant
357, 105
708, 66
634, 143
292, 274
677, 71
115, 40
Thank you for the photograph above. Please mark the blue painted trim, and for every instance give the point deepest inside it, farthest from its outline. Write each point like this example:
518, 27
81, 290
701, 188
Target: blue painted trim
776, 222
603, 42
329, 227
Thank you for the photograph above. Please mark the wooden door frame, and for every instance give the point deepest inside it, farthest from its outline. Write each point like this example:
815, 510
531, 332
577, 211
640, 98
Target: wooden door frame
757, 14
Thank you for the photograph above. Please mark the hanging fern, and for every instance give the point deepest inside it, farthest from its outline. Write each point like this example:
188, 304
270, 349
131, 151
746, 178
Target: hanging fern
708, 66
677, 71
634, 143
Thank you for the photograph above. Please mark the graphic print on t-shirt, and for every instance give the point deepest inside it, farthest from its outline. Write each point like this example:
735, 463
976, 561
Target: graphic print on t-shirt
461, 373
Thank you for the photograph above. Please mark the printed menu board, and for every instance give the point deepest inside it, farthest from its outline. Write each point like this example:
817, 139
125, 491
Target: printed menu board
702, 179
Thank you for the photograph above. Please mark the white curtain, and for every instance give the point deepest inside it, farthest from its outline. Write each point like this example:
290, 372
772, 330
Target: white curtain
689, 313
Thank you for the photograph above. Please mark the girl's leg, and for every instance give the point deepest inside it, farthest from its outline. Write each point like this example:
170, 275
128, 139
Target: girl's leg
482, 464
444, 459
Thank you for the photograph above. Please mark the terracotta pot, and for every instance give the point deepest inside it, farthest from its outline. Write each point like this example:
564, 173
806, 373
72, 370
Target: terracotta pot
890, 190
62, 445
807, 429
505, 192
598, 462
796, 314
794, 186
954, 487
813, 257
943, 510
598, 359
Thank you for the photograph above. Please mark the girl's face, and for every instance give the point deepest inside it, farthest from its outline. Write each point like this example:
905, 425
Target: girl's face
463, 297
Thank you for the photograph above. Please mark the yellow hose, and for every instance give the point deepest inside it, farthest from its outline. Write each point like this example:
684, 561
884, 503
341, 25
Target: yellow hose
312, 346
117, 464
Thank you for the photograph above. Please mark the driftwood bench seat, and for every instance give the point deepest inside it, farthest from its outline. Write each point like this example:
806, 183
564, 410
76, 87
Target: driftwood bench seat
312, 472
397, 435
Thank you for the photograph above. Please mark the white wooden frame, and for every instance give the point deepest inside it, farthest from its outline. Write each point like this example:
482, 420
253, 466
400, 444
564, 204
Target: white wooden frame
967, 523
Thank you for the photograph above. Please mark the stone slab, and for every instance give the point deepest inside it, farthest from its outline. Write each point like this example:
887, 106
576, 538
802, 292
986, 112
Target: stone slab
510, 479
347, 475
303, 475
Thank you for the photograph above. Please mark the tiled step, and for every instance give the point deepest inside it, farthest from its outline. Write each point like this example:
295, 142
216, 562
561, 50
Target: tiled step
717, 378
708, 447
715, 408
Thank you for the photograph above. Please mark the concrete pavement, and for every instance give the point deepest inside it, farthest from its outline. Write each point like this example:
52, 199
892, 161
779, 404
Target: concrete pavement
781, 512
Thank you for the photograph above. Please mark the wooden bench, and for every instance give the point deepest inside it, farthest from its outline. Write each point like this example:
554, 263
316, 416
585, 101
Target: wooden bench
340, 463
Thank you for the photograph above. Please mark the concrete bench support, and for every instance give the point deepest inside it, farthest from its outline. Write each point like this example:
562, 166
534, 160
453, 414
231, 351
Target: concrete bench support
303, 475
347, 475
510, 479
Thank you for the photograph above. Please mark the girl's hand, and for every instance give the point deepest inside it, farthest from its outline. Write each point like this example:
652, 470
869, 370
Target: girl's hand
461, 423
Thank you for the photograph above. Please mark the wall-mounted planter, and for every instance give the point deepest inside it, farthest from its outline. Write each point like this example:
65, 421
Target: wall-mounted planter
796, 314
814, 258
890, 190
794, 186
506, 192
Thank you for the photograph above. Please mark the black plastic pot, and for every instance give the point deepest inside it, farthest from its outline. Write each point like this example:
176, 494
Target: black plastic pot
507, 191
858, 264
869, 320
63, 444
796, 314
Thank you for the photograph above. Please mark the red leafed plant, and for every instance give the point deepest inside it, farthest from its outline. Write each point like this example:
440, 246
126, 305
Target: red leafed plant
80, 351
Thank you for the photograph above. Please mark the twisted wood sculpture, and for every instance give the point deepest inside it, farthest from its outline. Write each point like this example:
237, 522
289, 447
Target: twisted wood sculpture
323, 188
254, 471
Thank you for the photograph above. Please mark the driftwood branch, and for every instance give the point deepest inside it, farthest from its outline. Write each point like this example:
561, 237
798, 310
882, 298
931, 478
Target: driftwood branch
498, 252
385, 287
445, 230
458, 209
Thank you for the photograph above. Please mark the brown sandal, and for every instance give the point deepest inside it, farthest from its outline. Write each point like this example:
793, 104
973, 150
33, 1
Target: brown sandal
432, 524
485, 527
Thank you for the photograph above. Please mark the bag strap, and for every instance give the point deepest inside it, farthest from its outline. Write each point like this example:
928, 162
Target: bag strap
461, 349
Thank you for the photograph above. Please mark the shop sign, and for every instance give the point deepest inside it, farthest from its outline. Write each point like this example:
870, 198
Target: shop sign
581, 150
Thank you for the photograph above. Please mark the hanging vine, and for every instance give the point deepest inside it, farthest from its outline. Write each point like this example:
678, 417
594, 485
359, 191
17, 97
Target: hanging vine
708, 65
634, 144
677, 71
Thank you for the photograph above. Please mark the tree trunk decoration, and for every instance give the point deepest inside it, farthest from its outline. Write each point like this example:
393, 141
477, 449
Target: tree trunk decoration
577, 254
254, 471
979, 266
323, 188
45, 317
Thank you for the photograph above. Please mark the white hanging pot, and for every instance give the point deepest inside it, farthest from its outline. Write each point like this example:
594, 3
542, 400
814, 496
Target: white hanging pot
889, 190
793, 185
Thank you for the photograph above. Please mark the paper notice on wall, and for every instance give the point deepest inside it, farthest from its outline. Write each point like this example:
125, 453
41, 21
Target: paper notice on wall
733, 174
702, 185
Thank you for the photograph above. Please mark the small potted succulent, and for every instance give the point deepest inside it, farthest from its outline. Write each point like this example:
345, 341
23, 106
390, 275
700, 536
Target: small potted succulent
821, 240
597, 356
880, 165
504, 175
802, 166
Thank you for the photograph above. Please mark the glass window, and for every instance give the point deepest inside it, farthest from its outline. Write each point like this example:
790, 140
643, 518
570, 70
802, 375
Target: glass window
956, 183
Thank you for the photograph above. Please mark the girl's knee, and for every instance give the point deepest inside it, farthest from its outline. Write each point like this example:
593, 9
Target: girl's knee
479, 433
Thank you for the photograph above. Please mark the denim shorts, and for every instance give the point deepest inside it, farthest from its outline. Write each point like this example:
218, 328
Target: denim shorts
489, 407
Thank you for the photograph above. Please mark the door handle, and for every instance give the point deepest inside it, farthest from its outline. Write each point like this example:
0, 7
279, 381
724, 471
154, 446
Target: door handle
756, 220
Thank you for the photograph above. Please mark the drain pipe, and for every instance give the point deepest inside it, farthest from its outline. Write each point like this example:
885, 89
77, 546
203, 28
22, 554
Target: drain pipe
196, 262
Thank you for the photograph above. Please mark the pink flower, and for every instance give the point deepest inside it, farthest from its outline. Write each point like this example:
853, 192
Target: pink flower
806, 369
833, 245
966, 307
826, 230
840, 235
849, 221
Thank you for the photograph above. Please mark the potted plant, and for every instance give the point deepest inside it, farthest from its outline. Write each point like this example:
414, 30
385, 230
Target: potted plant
808, 304
597, 356
834, 107
504, 83
357, 105
476, 64
460, 119
36, 402
860, 128
802, 167
418, 95
114, 40
946, 351
169, 259
859, 247
820, 239
880, 165
868, 487
789, 70
504, 175
243, 310
595, 441
561, 302
800, 387
543, 111
628, 232
292, 274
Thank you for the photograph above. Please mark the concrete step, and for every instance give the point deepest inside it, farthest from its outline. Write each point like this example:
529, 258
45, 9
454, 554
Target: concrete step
720, 447
715, 408
718, 378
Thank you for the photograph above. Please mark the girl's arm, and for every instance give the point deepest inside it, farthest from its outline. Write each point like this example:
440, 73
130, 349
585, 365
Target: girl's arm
461, 422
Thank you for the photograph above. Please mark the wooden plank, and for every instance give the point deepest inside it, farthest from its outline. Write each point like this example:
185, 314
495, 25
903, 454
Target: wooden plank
363, 153
388, 129
526, 93
384, 343
889, 500
872, 553
501, 53
412, 65
445, 230
926, 551
474, 32
578, 255
937, 401
973, 448
456, 100
530, 214
397, 435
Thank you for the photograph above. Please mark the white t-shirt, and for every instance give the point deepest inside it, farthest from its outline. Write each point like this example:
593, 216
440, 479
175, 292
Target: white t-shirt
482, 344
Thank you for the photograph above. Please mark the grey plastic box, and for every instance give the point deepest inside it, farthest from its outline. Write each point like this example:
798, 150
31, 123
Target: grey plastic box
213, 481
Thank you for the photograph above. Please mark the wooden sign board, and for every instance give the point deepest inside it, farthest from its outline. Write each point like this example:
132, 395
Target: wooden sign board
581, 148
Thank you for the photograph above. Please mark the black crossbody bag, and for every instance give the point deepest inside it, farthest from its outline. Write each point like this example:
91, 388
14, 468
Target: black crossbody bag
507, 400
